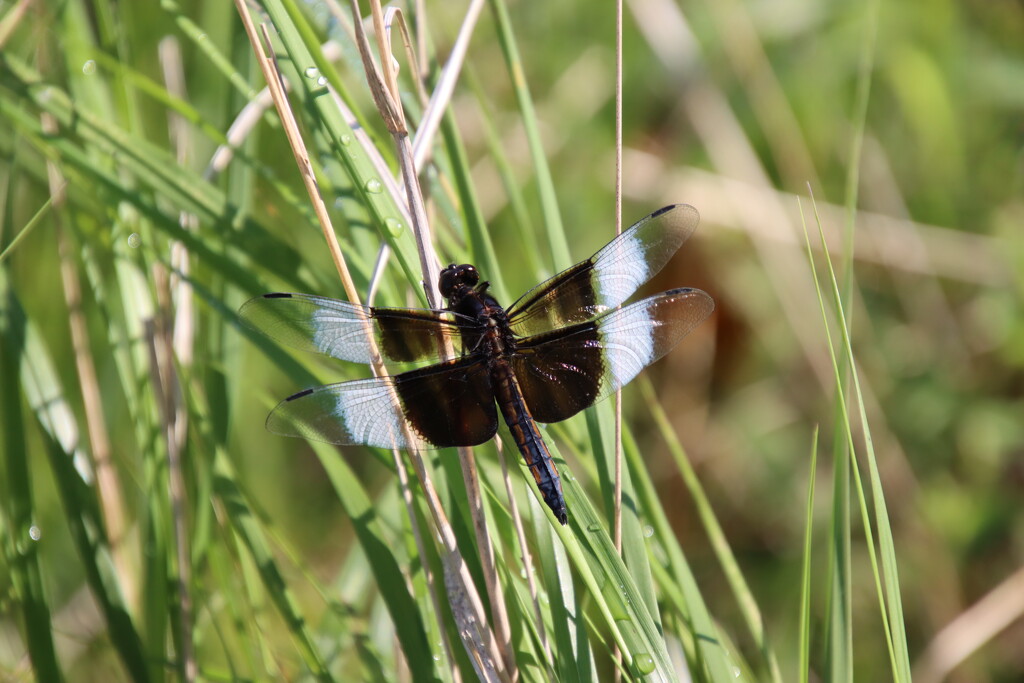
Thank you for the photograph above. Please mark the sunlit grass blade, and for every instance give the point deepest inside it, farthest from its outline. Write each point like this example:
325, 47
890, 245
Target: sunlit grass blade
410, 622
304, 68
678, 581
839, 612
553, 231
612, 587
571, 647
600, 422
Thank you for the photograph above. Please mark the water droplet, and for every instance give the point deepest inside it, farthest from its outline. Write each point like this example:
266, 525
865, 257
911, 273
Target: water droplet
322, 81
202, 36
89, 68
134, 240
35, 533
648, 531
312, 72
437, 658
594, 527
346, 139
393, 226
373, 186
644, 663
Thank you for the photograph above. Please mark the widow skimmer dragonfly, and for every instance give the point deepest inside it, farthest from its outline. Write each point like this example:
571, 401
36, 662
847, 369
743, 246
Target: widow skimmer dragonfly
561, 347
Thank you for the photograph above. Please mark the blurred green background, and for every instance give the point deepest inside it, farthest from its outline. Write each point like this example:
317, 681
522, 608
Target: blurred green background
735, 107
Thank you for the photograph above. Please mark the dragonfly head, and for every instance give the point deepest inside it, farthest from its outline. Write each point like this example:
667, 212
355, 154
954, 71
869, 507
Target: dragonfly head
454, 277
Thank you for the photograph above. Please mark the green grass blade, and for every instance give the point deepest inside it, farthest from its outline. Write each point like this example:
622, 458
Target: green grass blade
612, 587
889, 594
554, 231
408, 618
20, 549
46, 399
679, 582
804, 662
249, 530
574, 660
600, 424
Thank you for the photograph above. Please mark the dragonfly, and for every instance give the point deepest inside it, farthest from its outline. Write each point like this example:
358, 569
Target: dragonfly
560, 348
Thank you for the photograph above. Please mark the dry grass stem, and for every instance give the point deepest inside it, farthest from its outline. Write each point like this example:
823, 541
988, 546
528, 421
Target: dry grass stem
112, 504
167, 394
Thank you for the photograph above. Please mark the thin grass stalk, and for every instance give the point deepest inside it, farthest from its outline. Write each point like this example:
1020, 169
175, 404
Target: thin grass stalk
12, 19
175, 297
27, 229
617, 410
804, 663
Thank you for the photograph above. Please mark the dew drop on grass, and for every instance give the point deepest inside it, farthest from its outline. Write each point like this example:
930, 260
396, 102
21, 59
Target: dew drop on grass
394, 226
134, 240
373, 186
89, 68
644, 663
35, 533
312, 72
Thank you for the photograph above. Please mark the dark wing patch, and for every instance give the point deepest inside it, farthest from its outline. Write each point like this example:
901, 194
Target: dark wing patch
609, 277
565, 371
448, 404
339, 329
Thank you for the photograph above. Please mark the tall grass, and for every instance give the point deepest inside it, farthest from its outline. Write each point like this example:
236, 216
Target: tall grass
151, 529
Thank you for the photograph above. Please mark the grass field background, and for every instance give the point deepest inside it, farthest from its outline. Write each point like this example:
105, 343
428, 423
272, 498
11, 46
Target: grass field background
127, 382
